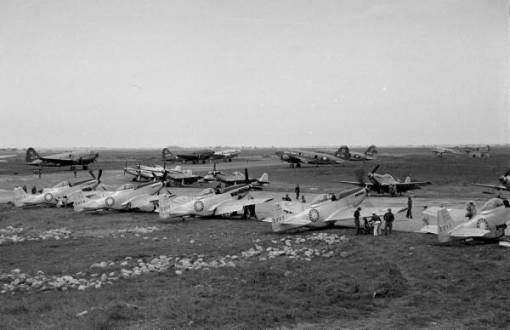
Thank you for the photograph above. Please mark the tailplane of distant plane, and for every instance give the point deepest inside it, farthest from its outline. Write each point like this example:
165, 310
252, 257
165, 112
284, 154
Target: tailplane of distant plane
264, 178
32, 155
371, 151
165, 153
445, 224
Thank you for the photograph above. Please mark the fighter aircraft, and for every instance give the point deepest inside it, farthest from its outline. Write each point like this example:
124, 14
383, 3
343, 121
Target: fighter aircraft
439, 151
194, 156
176, 175
344, 153
504, 179
488, 223
127, 197
73, 158
55, 194
385, 183
323, 211
236, 178
208, 203
226, 154
298, 157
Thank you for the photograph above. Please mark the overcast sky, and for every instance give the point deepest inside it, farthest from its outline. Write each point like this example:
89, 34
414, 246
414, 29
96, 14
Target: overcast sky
253, 73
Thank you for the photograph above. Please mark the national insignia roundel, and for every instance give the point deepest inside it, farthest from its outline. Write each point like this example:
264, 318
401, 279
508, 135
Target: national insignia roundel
482, 224
313, 215
48, 197
109, 201
199, 206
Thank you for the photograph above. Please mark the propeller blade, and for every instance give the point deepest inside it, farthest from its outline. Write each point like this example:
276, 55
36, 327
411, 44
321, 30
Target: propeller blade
92, 174
125, 169
360, 175
99, 175
507, 173
375, 169
246, 177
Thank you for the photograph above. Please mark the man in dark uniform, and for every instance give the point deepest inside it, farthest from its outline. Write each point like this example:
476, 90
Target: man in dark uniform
388, 219
356, 220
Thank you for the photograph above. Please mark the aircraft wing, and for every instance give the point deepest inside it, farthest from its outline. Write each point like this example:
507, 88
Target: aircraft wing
359, 184
140, 200
470, 232
237, 205
430, 229
417, 183
60, 161
348, 213
500, 187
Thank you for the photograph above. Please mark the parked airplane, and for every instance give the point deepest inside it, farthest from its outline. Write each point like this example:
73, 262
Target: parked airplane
208, 203
439, 151
194, 156
177, 175
72, 159
236, 178
323, 211
504, 179
477, 152
56, 193
488, 223
344, 153
298, 157
385, 183
226, 154
127, 197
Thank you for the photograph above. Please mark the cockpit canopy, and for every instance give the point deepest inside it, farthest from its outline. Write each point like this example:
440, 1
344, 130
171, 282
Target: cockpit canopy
62, 184
126, 186
492, 204
320, 198
205, 192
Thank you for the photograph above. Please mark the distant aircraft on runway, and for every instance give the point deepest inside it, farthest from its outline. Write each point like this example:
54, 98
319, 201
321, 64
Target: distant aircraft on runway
488, 223
176, 175
298, 157
236, 178
505, 183
72, 159
226, 154
194, 156
439, 151
385, 183
344, 153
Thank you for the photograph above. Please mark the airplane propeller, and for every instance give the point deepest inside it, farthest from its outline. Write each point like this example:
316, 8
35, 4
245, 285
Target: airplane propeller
92, 174
125, 169
360, 175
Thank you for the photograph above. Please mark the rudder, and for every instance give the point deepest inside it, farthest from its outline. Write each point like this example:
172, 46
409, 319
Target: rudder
371, 151
445, 224
19, 196
31, 155
164, 153
343, 152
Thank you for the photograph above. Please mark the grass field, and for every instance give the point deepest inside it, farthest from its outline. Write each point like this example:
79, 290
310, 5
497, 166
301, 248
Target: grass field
237, 274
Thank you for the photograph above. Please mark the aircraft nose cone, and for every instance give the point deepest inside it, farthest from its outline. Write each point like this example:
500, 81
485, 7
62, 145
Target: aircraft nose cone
503, 179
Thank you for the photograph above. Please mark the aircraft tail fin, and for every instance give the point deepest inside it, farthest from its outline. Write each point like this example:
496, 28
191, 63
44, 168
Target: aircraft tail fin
19, 196
343, 152
278, 216
487, 148
78, 199
165, 153
31, 155
371, 151
445, 224
166, 204
264, 178
408, 179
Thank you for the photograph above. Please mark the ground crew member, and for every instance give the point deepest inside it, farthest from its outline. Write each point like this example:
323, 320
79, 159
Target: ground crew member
471, 209
409, 213
388, 219
356, 220
297, 191
303, 200
377, 224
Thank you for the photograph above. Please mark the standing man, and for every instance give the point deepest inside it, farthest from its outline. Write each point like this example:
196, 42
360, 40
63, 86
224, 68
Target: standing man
40, 173
297, 191
388, 219
356, 220
74, 170
377, 224
409, 213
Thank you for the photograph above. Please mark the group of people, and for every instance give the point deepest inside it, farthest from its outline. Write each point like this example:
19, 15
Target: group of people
37, 173
375, 223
